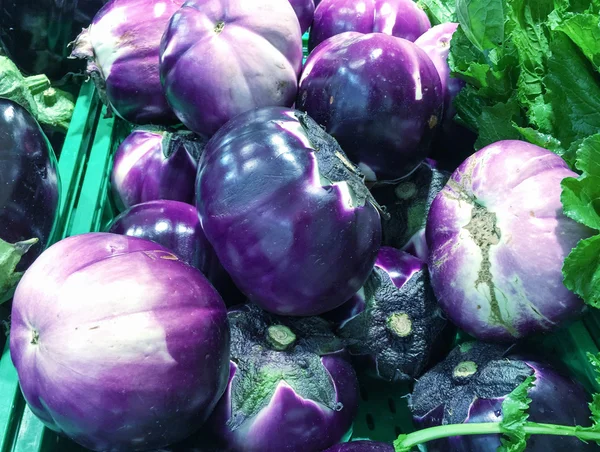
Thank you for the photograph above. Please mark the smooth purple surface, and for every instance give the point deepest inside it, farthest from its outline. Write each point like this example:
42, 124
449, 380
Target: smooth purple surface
143, 172
379, 96
122, 45
399, 266
305, 10
29, 181
243, 55
127, 335
436, 44
294, 244
289, 422
400, 18
500, 279
555, 399
361, 446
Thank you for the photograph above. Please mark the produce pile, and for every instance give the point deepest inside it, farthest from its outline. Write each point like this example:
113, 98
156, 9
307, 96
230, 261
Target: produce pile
413, 201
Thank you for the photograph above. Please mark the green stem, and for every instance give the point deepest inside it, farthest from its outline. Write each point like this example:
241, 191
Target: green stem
405, 443
37, 84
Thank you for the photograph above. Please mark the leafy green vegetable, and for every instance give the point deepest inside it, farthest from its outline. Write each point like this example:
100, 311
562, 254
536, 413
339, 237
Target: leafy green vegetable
10, 255
48, 105
514, 417
439, 11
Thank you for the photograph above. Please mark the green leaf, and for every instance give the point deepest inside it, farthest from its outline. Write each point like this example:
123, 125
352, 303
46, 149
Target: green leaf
538, 138
588, 156
584, 30
10, 256
439, 11
581, 270
514, 417
482, 22
581, 200
469, 106
573, 92
496, 123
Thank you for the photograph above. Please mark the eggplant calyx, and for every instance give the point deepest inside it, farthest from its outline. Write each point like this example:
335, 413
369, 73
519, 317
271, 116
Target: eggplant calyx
464, 371
280, 337
37, 84
10, 255
399, 324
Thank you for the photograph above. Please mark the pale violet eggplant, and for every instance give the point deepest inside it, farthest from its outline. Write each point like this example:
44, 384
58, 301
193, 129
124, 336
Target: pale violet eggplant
110, 331
176, 226
400, 18
290, 386
379, 96
470, 385
361, 446
407, 204
498, 239
436, 44
243, 55
397, 324
29, 194
122, 46
305, 10
286, 212
152, 164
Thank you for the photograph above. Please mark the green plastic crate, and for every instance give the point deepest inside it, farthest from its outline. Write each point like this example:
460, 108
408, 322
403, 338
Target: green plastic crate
87, 206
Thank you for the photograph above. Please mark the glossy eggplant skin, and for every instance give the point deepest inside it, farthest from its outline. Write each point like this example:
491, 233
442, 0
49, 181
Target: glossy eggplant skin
36, 33
361, 446
29, 181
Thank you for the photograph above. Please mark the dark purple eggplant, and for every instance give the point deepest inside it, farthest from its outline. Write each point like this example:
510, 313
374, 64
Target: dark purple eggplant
176, 226
361, 446
29, 193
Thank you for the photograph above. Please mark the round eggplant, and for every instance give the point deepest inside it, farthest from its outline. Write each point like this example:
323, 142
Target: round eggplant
305, 10
290, 387
379, 96
286, 212
498, 239
243, 55
361, 446
122, 49
152, 164
470, 385
118, 344
29, 194
400, 18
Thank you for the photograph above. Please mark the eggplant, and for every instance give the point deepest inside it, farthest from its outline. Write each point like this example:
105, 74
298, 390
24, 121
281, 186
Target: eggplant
30, 194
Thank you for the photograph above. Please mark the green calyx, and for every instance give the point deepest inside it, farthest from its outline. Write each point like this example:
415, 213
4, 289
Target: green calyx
280, 337
399, 324
10, 256
464, 370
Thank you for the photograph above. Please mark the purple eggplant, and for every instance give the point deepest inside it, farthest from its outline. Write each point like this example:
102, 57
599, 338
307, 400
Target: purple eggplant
407, 204
243, 55
394, 324
473, 381
379, 96
290, 387
286, 212
29, 194
400, 18
305, 10
361, 446
36, 33
176, 226
498, 238
122, 48
154, 164
118, 344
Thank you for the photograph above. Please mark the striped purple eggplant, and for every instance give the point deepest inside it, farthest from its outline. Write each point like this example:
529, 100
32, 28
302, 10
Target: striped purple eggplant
152, 164
400, 18
242, 55
498, 238
286, 212
117, 343
122, 48
290, 386
379, 96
